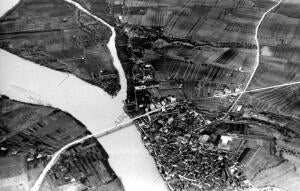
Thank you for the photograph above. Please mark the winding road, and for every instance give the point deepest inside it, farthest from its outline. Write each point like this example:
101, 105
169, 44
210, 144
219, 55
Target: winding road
117, 64
257, 55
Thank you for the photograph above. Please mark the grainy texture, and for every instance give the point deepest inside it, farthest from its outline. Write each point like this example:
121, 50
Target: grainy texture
30, 134
55, 34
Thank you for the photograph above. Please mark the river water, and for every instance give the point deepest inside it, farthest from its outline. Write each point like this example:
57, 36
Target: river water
28, 82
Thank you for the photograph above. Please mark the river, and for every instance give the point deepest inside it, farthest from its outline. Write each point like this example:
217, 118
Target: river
28, 82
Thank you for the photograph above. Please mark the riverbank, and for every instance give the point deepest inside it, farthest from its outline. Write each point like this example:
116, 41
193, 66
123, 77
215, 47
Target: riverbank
94, 108
63, 38
33, 133
25, 81
8, 5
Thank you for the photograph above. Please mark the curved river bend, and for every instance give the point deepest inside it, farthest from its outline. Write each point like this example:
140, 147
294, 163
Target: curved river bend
28, 82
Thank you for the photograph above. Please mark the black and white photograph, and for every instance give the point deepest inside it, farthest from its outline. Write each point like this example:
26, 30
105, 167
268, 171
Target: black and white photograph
149, 95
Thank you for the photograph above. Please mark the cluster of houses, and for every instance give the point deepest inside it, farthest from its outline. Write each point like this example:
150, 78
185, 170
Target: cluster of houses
188, 155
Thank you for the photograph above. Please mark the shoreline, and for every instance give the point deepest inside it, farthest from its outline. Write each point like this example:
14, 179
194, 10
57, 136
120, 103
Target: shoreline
111, 85
49, 148
19, 2
127, 155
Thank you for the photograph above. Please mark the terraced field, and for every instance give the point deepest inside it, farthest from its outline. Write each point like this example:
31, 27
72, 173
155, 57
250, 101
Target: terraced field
209, 50
203, 51
201, 43
279, 62
196, 41
56, 35
213, 21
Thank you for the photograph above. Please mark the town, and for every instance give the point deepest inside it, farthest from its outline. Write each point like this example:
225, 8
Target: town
216, 76
190, 152
193, 147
